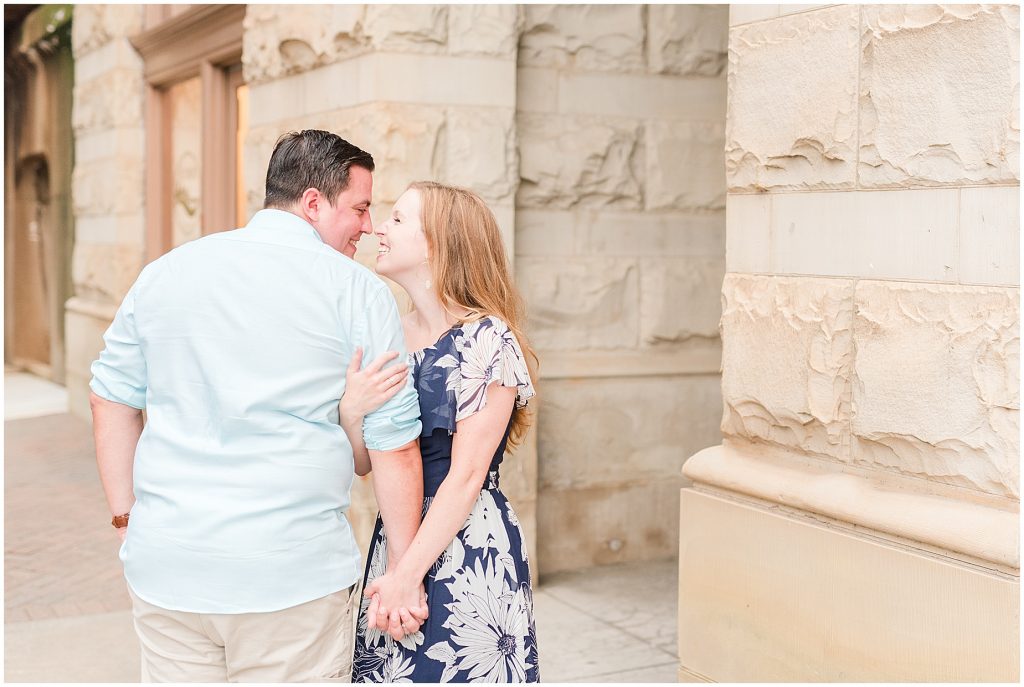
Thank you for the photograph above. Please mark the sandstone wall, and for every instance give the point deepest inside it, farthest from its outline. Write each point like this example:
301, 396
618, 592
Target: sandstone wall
620, 250
873, 240
108, 191
871, 354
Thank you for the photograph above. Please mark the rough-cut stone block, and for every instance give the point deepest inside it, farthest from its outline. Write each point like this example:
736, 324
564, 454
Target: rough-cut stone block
408, 28
594, 37
685, 170
273, 101
937, 383
748, 232
680, 300
544, 233
116, 53
603, 232
990, 235
689, 40
121, 143
480, 151
491, 30
787, 357
111, 229
96, 25
111, 186
637, 430
112, 100
939, 95
570, 161
582, 528
505, 215
256, 151
906, 234
792, 120
586, 303
103, 273
403, 140
276, 43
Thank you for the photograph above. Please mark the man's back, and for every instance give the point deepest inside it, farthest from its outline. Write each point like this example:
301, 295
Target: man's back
242, 474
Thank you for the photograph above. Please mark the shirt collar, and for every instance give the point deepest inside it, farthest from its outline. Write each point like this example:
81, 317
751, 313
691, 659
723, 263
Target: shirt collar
283, 222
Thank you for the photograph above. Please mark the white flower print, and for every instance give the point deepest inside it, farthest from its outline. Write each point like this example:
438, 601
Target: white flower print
397, 668
490, 353
450, 560
491, 625
512, 517
444, 653
483, 528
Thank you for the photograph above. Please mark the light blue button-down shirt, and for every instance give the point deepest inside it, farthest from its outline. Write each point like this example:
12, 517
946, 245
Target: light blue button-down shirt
237, 344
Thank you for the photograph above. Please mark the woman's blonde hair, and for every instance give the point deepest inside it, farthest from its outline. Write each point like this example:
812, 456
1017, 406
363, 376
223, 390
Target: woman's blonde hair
470, 270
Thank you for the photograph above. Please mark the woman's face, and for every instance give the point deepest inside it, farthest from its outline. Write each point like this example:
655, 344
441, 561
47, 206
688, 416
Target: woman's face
403, 245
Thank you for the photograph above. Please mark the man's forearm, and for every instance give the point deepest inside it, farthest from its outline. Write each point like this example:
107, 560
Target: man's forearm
398, 486
116, 429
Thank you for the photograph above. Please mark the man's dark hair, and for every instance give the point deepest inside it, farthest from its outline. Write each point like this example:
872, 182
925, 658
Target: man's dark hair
311, 159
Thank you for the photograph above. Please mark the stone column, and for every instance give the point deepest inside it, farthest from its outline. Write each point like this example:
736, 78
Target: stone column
107, 182
428, 90
859, 522
620, 250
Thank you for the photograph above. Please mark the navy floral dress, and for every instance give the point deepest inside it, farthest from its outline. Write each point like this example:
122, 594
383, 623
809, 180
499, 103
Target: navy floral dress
481, 626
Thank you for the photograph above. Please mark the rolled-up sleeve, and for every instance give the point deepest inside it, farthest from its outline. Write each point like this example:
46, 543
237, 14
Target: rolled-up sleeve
397, 422
119, 374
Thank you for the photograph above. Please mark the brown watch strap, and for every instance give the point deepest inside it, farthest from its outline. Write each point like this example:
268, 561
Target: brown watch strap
120, 521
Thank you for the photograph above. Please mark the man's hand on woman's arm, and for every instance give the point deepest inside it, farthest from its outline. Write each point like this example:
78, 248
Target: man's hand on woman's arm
366, 390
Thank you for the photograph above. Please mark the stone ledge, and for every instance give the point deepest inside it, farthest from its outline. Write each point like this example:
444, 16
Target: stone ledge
99, 311
585, 365
981, 528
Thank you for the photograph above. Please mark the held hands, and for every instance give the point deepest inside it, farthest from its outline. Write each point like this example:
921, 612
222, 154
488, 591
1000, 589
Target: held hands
369, 389
397, 606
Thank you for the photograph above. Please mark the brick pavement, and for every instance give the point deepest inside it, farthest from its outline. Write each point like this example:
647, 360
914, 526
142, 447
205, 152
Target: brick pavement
60, 553
68, 614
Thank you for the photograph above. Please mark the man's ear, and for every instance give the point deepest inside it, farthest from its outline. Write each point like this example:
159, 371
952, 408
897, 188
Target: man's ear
310, 203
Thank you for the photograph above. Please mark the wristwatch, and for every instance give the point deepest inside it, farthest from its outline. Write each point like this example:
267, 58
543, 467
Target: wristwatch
120, 521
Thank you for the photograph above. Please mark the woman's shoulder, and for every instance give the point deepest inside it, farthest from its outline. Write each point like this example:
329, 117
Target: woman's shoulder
488, 325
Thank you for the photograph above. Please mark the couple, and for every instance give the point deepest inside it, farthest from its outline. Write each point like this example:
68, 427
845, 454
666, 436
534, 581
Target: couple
246, 350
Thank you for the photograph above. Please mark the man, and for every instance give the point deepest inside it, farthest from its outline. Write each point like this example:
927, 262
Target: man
238, 555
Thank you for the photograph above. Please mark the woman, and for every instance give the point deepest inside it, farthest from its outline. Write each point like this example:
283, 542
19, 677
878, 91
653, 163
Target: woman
443, 246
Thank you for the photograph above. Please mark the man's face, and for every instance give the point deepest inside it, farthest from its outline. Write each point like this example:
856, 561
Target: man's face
343, 225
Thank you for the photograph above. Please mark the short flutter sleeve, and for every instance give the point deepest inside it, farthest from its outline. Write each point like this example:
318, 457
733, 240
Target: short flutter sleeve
485, 351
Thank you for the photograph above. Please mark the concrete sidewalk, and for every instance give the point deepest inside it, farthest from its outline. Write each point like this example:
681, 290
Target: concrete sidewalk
67, 616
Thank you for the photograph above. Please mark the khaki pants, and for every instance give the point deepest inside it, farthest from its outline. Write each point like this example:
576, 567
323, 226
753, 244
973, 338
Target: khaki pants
311, 642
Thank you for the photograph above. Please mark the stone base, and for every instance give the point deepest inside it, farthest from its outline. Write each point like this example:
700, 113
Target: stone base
84, 325
765, 597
